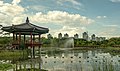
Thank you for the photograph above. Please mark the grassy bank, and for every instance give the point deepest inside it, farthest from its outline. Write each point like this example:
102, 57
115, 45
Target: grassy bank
13, 54
33, 69
4, 67
111, 50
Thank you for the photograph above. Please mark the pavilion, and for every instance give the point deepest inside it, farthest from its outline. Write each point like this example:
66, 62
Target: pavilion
26, 29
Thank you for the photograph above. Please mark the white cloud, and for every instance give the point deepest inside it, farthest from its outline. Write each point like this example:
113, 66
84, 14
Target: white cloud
111, 25
71, 31
109, 31
74, 2
12, 13
9, 11
1, 2
18, 20
72, 23
101, 17
115, 0
61, 18
16, 1
38, 7
2, 18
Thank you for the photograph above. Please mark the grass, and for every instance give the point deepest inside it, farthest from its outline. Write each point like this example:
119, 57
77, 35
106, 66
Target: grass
5, 67
32, 69
12, 54
112, 50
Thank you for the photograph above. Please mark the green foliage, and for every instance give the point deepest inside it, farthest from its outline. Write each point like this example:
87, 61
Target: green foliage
110, 42
32, 69
5, 67
10, 55
5, 40
112, 51
55, 42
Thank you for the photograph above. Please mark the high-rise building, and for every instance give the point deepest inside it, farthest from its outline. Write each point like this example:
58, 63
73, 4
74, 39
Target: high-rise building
93, 37
102, 38
85, 35
49, 36
76, 36
66, 35
97, 38
60, 36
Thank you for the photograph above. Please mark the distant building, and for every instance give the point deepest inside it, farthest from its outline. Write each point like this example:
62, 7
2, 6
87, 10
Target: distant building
102, 38
49, 36
89, 38
93, 37
85, 35
76, 36
66, 35
97, 38
60, 36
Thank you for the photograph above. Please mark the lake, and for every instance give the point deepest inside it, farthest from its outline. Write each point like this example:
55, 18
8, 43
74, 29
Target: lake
67, 59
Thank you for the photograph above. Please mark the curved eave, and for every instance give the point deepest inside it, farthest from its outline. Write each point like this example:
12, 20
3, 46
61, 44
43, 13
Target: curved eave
7, 29
25, 31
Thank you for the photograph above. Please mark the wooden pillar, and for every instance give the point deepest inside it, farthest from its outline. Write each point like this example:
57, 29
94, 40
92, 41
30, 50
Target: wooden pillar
33, 46
24, 39
40, 52
16, 36
31, 39
13, 39
19, 37
13, 36
39, 45
24, 42
39, 40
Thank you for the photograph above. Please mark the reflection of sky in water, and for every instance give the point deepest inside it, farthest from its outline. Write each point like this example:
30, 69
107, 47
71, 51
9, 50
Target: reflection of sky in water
76, 61
87, 61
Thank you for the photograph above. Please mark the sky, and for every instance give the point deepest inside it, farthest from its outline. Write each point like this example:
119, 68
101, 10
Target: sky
100, 17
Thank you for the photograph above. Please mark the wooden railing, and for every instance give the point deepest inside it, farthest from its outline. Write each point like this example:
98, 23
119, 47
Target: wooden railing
16, 43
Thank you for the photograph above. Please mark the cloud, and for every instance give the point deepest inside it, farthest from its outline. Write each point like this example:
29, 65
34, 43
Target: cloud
101, 17
111, 25
38, 7
115, 0
109, 31
2, 19
71, 31
1, 2
16, 1
71, 4
74, 2
18, 19
61, 18
8, 11
13, 13
11, 10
